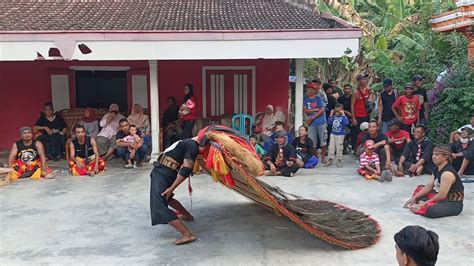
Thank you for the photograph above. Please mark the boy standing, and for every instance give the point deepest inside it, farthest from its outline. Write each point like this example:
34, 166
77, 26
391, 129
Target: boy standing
339, 123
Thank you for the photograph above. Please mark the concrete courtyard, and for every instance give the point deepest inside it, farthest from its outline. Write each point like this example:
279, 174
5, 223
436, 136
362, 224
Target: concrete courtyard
105, 220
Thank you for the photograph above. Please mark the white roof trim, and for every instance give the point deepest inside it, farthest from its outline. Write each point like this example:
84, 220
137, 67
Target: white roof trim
455, 25
464, 3
186, 50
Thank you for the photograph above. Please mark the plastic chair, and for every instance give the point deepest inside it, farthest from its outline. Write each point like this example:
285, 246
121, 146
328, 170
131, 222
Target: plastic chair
243, 123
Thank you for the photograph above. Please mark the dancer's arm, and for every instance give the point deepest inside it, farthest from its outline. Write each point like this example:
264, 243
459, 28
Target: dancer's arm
185, 171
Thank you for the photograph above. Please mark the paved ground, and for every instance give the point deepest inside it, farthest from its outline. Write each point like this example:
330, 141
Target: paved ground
105, 220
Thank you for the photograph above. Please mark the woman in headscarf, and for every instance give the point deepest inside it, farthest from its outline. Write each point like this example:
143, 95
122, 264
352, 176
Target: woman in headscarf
90, 123
279, 115
187, 112
141, 120
265, 124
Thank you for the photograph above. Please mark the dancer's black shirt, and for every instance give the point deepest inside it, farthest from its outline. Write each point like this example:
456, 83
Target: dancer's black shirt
184, 149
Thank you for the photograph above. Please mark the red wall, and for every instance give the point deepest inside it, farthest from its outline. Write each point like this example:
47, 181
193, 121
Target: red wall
26, 86
272, 80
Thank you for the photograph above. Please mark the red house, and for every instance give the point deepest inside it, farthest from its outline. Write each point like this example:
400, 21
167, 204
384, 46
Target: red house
236, 53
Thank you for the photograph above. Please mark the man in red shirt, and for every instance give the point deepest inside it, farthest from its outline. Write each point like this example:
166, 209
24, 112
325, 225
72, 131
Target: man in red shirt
407, 109
397, 139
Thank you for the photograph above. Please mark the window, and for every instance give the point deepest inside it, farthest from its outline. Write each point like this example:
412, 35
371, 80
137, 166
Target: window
99, 89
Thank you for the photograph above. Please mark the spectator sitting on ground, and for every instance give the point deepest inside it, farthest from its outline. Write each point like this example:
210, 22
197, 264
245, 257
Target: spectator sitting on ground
397, 140
85, 159
304, 149
53, 130
454, 137
416, 246
260, 151
463, 154
369, 166
281, 157
27, 158
338, 122
443, 195
416, 158
381, 147
364, 127
278, 127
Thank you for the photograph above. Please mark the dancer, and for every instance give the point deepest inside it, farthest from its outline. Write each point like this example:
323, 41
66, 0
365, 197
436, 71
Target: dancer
174, 165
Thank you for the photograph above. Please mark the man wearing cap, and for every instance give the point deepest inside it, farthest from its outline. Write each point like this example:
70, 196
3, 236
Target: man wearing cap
316, 121
385, 102
416, 158
416, 246
360, 105
463, 154
397, 139
27, 157
417, 81
443, 195
281, 157
407, 109
317, 85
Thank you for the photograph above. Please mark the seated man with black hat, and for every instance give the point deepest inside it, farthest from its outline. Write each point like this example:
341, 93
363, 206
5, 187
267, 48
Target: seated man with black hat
416, 246
416, 158
463, 154
281, 157
444, 194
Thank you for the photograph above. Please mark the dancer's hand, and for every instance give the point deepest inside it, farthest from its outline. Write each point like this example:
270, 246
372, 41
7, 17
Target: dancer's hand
96, 169
167, 194
409, 203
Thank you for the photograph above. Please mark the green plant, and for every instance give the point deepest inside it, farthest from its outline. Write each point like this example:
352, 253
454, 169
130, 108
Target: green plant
452, 111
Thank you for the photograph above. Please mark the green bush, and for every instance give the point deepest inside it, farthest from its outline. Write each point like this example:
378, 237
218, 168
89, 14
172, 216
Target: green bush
451, 112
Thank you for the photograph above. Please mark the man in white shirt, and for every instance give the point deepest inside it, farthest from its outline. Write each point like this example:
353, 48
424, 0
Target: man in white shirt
106, 138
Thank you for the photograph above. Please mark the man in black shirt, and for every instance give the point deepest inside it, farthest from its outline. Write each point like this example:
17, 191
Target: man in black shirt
337, 92
124, 147
381, 145
345, 100
385, 102
170, 127
53, 130
174, 165
417, 81
416, 158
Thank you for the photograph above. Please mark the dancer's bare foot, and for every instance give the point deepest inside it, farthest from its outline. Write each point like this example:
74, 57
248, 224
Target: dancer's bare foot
185, 240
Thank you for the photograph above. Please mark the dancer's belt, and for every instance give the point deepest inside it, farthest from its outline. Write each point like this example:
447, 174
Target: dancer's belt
169, 162
455, 196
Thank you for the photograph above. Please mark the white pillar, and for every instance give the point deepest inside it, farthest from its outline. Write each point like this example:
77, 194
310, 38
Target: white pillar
154, 110
299, 94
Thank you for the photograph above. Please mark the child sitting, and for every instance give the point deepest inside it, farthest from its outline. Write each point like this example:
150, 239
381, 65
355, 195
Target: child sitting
304, 149
260, 151
369, 162
132, 138
281, 157
339, 123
